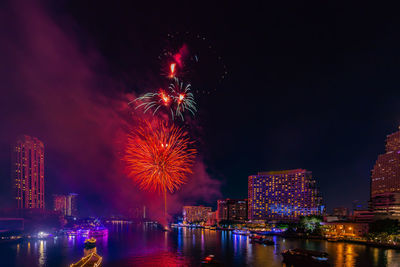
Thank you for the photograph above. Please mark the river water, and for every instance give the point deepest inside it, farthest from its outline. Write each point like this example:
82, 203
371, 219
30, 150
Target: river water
138, 245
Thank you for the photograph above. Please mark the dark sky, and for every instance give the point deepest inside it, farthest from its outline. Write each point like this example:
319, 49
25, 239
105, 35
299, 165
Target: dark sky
310, 85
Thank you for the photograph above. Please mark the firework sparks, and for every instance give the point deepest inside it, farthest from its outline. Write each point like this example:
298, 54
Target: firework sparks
177, 101
183, 98
159, 158
154, 101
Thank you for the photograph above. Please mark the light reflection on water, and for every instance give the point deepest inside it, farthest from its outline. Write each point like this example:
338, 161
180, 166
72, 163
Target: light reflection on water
137, 245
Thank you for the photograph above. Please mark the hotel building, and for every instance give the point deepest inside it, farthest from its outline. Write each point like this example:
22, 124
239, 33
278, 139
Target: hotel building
28, 172
195, 214
232, 210
385, 180
283, 195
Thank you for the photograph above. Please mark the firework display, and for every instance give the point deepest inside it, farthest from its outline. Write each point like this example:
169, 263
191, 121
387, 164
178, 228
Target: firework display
176, 100
159, 157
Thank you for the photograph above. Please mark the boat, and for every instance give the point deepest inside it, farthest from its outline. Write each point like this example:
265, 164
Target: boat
261, 240
303, 257
210, 260
90, 258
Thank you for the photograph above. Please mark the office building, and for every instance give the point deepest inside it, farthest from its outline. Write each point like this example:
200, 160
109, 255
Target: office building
232, 210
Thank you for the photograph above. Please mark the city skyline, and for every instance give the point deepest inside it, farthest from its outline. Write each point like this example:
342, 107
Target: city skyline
379, 198
283, 104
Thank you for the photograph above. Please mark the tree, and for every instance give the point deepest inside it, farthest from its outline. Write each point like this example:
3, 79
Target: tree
388, 226
311, 224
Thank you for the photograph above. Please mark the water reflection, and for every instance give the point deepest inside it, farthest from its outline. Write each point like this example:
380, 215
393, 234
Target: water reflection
137, 245
42, 253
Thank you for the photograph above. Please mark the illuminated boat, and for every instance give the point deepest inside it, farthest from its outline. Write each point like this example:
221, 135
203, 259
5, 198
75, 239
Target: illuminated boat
90, 258
210, 261
303, 257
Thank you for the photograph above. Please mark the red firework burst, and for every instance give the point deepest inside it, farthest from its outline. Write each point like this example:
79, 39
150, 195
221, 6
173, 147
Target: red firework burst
160, 157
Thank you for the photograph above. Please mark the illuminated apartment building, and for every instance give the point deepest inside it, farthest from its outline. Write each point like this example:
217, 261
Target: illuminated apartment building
28, 172
283, 195
232, 210
195, 214
385, 180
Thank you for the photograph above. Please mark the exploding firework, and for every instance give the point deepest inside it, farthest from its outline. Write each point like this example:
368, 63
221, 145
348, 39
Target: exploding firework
177, 100
159, 158
154, 101
183, 98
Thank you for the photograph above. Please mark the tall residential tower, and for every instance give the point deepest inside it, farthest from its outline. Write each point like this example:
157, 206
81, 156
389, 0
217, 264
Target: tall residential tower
28, 172
385, 180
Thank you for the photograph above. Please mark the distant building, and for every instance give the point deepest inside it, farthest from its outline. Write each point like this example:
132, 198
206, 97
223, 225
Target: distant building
283, 195
195, 214
341, 211
212, 218
232, 210
28, 172
385, 180
66, 204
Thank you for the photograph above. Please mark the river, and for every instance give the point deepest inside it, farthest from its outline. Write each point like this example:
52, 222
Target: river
138, 245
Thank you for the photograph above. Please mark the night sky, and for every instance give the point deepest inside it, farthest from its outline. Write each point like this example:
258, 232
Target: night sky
309, 85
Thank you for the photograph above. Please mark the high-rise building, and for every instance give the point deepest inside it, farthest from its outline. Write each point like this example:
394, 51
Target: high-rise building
283, 195
195, 214
232, 210
66, 204
385, 180
28, 172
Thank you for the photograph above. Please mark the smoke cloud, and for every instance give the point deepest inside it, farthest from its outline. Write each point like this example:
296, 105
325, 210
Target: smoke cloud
50, 89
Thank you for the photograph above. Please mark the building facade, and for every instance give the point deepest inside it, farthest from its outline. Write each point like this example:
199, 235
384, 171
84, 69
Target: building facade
195, 214
283, 195
212, 218
345, 229
232, 210
66, 204
28, 172
385, 180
